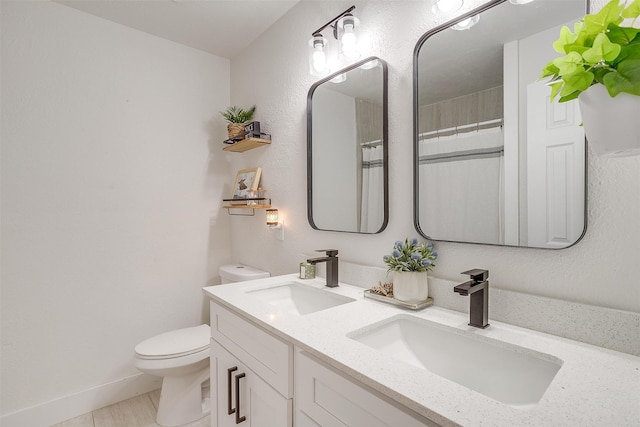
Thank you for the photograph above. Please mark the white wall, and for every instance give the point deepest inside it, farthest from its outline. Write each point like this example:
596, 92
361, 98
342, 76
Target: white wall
599, 270
112, 181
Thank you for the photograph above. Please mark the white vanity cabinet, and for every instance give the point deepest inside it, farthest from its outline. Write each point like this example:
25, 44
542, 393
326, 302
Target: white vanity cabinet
251, 372
242, 397
326, 398
252, 383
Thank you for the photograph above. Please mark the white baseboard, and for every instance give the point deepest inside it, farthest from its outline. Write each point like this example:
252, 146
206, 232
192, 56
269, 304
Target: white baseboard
73, 405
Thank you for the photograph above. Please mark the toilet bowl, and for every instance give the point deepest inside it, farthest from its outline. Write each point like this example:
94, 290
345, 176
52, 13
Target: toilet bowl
181, 357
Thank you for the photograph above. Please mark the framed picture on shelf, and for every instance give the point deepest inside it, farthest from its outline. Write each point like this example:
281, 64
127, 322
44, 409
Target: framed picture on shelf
247, 180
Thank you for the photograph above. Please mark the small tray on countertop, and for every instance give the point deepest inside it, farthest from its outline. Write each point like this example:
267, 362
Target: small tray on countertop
390, 300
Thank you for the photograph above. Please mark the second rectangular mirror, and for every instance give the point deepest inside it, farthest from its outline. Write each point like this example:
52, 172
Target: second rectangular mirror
494, 161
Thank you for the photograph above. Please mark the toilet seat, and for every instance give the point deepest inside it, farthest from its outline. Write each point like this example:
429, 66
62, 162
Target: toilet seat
175, 344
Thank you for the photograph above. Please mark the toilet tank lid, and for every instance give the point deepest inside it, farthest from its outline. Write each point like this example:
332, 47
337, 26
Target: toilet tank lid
176, 343
239, 272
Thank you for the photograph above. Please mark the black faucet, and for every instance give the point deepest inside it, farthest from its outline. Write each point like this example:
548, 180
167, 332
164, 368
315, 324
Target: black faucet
332, 265
478, 289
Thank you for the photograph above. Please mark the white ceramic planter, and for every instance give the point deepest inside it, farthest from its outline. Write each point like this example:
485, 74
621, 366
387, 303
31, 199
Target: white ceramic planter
612, 125
410, 286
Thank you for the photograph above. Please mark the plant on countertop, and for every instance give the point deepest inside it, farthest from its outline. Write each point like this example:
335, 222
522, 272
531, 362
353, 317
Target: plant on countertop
600, 50
411, 256
236, 114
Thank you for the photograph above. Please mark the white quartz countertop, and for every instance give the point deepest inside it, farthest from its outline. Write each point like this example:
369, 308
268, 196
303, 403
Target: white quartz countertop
594, 386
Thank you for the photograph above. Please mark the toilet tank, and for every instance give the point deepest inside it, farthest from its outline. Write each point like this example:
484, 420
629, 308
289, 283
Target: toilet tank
240, 273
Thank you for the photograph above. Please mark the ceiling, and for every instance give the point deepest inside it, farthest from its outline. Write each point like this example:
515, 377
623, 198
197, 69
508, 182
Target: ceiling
221, 27
474, 58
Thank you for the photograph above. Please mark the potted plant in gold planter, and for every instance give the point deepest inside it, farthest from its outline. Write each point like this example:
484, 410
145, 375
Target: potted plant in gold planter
410, 261
237, 117
601, 67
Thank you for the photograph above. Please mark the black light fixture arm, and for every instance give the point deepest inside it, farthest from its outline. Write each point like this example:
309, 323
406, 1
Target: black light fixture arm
333, 23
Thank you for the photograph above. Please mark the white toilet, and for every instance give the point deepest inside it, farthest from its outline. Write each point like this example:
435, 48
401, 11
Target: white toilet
181, 357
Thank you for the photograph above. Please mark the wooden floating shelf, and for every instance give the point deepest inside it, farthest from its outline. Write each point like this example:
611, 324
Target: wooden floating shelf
246, 206
247, 144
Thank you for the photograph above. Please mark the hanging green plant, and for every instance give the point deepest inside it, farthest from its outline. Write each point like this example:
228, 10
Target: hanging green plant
598, 51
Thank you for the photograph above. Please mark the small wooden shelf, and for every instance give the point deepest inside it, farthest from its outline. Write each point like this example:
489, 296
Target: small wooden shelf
247, 144
246, 206
261, 203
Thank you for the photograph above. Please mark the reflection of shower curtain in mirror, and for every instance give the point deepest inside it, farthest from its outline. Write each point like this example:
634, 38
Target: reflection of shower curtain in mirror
369, 134
372, 214
461, 186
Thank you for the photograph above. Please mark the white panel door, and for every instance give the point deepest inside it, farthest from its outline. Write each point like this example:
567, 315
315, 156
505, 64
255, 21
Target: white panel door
555, 170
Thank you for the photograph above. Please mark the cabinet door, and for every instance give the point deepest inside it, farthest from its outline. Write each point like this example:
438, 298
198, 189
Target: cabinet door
324, 397
265, 354
242, 397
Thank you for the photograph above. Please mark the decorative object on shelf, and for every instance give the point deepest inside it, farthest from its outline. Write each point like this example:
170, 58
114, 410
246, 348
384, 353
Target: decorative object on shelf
322, 62
237, 118
307, 270
246, 180
275, 223
384, 289
601, 51
410, 261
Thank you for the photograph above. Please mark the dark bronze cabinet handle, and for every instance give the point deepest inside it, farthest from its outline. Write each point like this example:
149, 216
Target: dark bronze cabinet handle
239, 419
229, 371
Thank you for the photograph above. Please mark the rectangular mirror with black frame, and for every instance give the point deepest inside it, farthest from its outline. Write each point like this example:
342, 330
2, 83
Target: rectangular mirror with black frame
495, 162
347, 150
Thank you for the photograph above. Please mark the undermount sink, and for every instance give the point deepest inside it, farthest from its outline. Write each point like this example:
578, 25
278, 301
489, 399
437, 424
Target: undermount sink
505, 372
297, 298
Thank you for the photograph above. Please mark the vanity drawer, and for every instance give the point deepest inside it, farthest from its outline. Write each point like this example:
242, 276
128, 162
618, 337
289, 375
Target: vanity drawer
327, 398
265, 354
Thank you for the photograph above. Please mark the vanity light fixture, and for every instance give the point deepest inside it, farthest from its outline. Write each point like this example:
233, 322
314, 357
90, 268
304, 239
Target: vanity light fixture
321, 60
348, 39
275, 223
466, 23
318, 56
447, 6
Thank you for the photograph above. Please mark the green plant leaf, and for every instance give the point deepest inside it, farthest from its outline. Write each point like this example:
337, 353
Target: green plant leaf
632, 11
236, 114
578, 81
566, 37
570, 97
549, 70
631, 51
622, 35
602, 50
610, 13
599, 73
577, 47
625, 79
555, 88
568, 64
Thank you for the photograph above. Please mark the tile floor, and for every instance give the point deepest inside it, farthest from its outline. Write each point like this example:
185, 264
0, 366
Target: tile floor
139, 411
